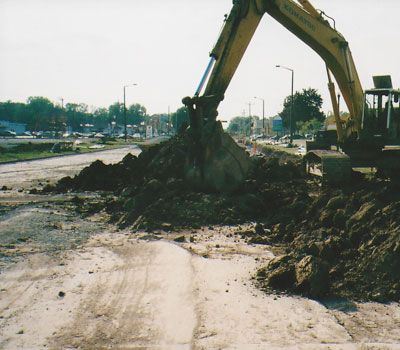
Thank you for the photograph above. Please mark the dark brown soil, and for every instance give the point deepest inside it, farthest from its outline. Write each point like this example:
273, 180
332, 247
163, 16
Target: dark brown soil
345, 243
339, 241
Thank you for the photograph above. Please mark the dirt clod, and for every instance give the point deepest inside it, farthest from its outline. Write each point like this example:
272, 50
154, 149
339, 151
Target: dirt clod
312, 276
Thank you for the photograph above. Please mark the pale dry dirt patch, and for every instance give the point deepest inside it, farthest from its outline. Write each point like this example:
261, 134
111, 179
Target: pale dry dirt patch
121, 291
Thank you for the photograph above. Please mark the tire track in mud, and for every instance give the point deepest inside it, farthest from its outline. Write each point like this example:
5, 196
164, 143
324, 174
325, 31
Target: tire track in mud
100, 312
127, 305
29, 307
121, 292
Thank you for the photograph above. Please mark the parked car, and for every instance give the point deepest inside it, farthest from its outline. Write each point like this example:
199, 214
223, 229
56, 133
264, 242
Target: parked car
284, 138
7, 133
301, 151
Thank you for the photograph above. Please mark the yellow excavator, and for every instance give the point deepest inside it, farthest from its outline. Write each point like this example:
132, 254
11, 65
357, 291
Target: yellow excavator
369, 137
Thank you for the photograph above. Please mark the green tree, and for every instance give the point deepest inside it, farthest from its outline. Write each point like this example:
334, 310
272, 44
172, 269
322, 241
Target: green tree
116, 112
240, 126
14, 112
179, 117
43, 113
101, 118
77, 114
306, 106
39, 113
136, 113
309, 126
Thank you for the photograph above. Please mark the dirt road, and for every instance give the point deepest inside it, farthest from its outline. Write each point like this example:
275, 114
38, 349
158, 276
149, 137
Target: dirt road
123, 292
117, 289
30, 173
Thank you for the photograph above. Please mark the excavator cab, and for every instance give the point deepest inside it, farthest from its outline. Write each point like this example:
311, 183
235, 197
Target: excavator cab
381, 117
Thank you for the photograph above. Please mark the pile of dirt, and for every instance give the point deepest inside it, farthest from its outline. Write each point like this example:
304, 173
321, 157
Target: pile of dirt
343, 242
151, 191
161, 162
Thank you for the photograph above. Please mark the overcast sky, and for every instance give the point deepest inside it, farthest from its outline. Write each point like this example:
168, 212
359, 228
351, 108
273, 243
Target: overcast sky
86, 50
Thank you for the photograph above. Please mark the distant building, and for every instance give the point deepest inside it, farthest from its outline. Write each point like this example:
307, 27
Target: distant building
155, 122
149, 132
18, 128
161, 124
268, 126
258, 127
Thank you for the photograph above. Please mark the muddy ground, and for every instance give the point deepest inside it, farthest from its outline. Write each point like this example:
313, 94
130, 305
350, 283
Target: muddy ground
341, 241
32, 223
125, 290
77, 280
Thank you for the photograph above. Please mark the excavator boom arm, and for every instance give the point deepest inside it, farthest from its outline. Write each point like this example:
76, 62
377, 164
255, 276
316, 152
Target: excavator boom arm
232, 43
304, 21
214, 160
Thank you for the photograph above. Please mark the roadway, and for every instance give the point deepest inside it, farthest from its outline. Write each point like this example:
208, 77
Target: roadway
28, 174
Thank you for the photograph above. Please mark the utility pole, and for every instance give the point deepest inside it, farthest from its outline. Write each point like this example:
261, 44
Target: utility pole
251, 119
263, 113
125, 130
169, 122
291, 111
62, 114
291, 102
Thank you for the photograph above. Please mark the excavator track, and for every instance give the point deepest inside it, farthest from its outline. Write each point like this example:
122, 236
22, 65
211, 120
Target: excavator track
388, 163
332, 166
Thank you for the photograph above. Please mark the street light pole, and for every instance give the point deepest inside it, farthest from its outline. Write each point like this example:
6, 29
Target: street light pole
250, 117
169, 122
291, 111
125, 122
291, 102
62, 113
263, 112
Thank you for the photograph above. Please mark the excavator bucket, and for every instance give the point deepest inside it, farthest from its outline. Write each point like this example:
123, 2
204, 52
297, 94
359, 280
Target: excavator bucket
214, 162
